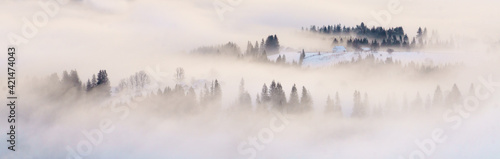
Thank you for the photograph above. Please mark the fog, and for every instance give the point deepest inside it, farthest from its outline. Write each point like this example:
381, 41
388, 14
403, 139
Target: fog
124, 37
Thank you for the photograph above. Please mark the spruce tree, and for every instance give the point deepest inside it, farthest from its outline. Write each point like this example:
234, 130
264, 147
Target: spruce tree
302, 57
244, 96
94, 81
438, 97
103, 84
217, 91
338, 106
280, 98
250, 49
65, 78
305, 100
418, 102
88, 86
454, 97
357, 110
294, 99
264, 95
74, 80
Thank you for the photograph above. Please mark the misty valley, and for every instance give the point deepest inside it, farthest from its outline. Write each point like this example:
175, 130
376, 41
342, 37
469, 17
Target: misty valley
271, 96
260, 79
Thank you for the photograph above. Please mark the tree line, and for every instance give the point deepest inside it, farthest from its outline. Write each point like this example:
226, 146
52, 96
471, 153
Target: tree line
184, 99
70, 87
378, 37
362, 107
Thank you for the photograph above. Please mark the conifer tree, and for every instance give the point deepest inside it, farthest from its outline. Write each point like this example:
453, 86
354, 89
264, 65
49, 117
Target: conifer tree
265, 98
294, 99
88, 86
217, 91
438, 97
338, 106
454, 97
302, 57
357, 110
305, 100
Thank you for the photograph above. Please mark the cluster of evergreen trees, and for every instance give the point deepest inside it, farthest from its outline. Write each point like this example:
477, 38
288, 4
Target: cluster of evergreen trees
376, 37
183, 99
229, 48
333, 105
270, 45
274, 98
358, 30
371, 64
363, 108
100, 85
267, 46
70, 86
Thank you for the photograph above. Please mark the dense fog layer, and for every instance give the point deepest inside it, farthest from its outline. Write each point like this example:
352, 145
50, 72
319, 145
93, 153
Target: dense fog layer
128, 38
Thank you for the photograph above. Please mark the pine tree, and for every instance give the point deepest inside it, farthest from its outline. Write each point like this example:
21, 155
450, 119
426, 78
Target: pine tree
454, 97
103, 84
438, 97
272, 44
278, 96
294, 99
264, 56
420, 36
217, 91
167, 91
74, 80
305, 100
94, 81
338, 106
417, 103
178, 91
302, 57
272, 90
250, 49
357, 110
256, 48
265, 94
65, 78
244, 96
262, 46
88, 86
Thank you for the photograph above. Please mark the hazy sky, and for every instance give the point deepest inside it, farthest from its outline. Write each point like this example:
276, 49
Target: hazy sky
94, 32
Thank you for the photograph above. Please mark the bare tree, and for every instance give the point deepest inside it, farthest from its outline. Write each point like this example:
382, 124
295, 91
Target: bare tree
179, 75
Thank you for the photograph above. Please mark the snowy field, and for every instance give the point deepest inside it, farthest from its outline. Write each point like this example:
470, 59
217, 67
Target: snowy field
315, 59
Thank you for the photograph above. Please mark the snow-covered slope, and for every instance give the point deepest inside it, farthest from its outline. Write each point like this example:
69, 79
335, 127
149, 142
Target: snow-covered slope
315, 59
